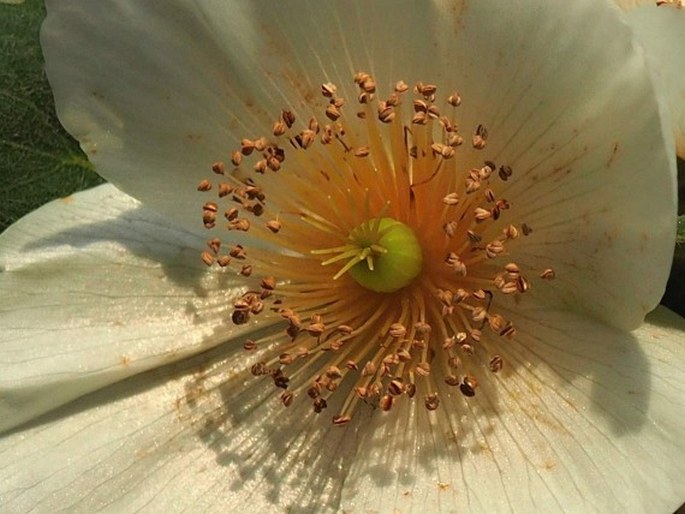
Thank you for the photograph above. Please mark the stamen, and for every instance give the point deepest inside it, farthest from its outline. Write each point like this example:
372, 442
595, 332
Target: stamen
383, 252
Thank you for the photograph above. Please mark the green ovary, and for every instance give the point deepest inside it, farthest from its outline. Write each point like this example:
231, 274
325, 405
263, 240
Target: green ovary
395, 257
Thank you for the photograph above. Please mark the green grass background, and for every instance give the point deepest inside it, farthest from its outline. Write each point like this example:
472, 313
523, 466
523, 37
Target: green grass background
39, 161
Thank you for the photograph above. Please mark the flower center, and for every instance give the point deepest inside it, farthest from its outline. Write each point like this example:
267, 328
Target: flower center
382, 255
382, 247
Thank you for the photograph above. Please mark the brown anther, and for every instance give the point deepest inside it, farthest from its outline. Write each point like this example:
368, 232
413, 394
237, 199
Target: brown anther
352, 365
268, 283
397, 330
273, 164
279, 128
287, 399
468, 386
315, 329
452, 380
274, 226
473, 237
368, 85
475, 334
288, 118
344, 329
420, 118
455, 140
472, 185
481, 214
246, 146
236, 159
214, 245
433, 112
509, 331
480, 137
319, 405
260, 144
224, 189
432, 401
209, 219
497, 323
241, 224
478, 314
422, 329
341, 420
231, 214
496, 363
249, 345
369, 369
410, 390
451, 199
522, 285
489, 195
494, 248
223, 261
260, 166
281, 381
210, 207
505, 172
332, 113
420, 106
548, 274
423, 369
526, 230
207, 258
450, 228
386, 402
403, 355
454, 99
328, 89
204, 185
362, 151
401, 87
305, 138
285, 358
237, 252
387, 114
240, 317
246, 270
510, 232
513, 269
219, 168
259, 369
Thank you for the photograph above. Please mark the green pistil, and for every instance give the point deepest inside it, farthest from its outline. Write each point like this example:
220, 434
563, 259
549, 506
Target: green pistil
382, 255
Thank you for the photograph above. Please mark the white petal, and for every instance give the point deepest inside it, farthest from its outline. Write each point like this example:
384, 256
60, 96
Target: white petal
169, 88
661, 30
176, 440
157, 92
94, 288
574, 113
581, 419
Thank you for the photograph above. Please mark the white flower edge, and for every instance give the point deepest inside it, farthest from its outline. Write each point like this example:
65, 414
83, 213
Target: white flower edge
584, 419
156, 92
661, 30
95, 288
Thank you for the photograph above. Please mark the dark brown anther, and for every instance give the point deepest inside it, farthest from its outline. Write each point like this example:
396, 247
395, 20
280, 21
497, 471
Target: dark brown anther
240, 317
249, 345
258, 369
432, 401
505, 172
386, 402
219, 168
496, 363
468, 386
319, 405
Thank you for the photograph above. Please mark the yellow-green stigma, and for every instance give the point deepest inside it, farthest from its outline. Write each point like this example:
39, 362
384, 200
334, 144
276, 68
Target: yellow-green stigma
383, 255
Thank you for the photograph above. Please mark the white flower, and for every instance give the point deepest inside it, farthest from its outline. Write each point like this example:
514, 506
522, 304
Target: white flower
125, 383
